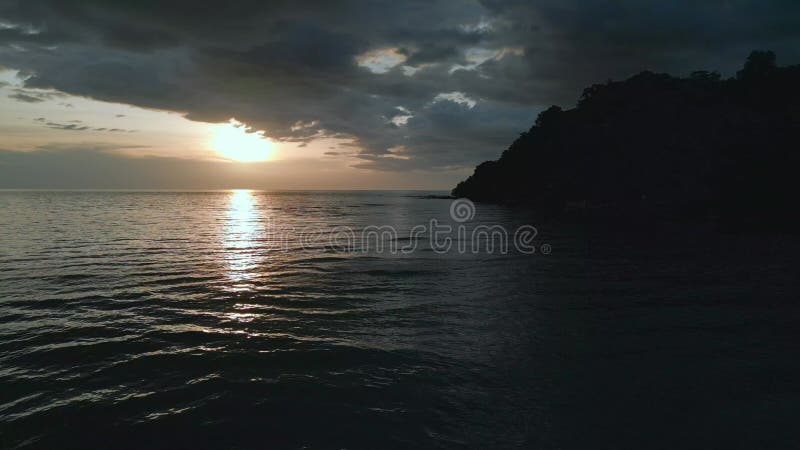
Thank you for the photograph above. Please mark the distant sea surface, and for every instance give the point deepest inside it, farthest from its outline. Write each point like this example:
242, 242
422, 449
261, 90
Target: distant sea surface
229, 320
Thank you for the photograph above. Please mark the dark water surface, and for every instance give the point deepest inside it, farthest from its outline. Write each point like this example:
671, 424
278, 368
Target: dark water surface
221, 320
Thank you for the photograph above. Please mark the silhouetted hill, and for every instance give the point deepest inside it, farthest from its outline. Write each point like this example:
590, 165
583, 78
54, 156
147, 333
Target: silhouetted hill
657, 145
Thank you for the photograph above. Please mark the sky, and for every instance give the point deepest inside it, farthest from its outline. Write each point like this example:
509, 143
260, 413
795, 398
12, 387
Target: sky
325, 94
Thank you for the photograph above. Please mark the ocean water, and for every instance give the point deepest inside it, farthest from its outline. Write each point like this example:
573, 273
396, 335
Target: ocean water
271, 320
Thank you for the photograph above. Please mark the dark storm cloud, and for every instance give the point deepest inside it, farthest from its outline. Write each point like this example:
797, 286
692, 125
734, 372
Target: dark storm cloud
278, 64
588, 41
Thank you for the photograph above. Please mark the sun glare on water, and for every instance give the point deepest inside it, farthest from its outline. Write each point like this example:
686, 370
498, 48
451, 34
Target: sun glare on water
235, 141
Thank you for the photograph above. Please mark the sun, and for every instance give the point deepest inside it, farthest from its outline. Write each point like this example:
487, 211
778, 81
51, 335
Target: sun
235, 141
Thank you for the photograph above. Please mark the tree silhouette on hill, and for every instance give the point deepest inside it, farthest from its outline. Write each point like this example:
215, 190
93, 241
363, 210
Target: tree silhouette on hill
661, 146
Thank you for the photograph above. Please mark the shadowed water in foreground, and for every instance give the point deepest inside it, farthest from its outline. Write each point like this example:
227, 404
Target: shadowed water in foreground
221, 319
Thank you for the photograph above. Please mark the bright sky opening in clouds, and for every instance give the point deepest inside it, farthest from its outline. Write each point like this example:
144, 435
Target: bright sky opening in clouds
35, 120
47, 117
238, 142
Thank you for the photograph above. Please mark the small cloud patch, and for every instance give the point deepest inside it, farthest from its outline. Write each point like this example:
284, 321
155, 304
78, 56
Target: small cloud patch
381, 60
401, 119
77, 125
300, 125
456, 97
34, 96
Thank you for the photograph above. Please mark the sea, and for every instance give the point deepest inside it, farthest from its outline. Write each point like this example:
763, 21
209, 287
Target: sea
385, 319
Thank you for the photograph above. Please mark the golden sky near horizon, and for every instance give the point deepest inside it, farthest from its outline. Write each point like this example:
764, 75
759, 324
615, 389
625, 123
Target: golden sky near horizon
31, 120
